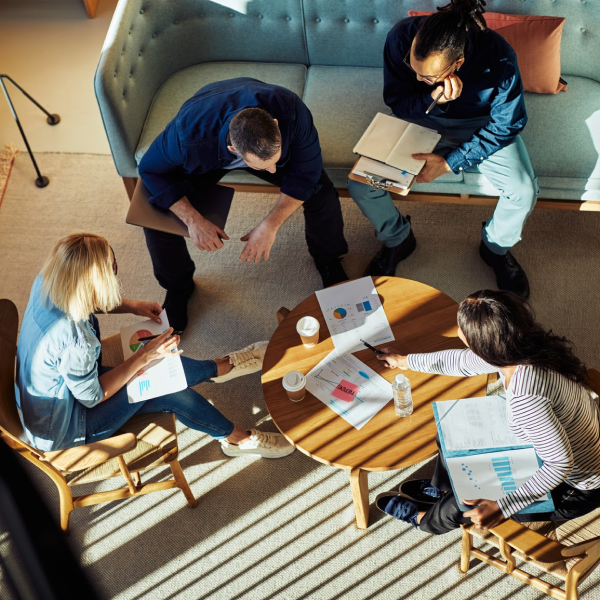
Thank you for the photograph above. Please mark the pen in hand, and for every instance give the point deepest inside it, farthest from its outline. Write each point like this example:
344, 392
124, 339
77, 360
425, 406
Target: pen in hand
434, 102
371, 348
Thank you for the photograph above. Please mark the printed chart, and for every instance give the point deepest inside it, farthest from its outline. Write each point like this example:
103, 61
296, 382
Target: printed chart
162, 377
353, 311
491, 475
475, 423
349, 387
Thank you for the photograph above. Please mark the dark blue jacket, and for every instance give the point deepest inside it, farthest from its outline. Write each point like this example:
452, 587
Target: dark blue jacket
195, 141
491, 87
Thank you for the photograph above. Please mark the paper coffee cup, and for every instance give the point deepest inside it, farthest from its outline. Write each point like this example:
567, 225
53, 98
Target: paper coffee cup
294, 384
308, 329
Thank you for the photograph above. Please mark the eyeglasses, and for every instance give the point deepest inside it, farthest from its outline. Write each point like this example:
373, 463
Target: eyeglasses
430, 79
115, 266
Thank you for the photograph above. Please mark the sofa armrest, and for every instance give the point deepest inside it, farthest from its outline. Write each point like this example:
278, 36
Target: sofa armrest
91, 455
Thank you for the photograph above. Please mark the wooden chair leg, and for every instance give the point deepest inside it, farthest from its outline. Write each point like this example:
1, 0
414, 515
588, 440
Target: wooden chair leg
282, 313
130, 183
465, 553
125, 472
359, 484
182, 483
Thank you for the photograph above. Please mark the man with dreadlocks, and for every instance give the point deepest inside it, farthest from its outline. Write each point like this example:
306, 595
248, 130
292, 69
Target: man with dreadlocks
479, 114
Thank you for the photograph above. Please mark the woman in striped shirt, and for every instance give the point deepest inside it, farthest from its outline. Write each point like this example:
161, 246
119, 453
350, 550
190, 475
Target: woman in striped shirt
548, 405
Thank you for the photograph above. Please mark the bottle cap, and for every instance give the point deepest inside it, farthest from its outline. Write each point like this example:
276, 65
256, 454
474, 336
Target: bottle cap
400, 378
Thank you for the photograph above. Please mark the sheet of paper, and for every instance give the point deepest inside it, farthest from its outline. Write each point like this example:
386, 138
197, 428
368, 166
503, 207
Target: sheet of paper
165, 376
491, 475
416, 139
374, 391
353, 311
380, 137
401, 179
475, 423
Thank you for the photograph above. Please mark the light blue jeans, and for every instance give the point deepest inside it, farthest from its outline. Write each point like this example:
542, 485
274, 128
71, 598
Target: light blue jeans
509, 170
192, 409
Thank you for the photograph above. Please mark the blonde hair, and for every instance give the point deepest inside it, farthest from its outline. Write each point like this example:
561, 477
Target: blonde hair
78, 276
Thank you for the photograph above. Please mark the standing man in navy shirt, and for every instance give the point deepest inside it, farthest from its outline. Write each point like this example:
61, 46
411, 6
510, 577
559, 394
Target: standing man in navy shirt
480, 113
245, 124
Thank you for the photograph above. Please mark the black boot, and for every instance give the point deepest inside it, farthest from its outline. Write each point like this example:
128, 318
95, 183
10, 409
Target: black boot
387, 259
331, 272
510, 276
175, 304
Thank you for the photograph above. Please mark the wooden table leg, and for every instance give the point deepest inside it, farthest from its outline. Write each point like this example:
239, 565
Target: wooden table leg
359, 484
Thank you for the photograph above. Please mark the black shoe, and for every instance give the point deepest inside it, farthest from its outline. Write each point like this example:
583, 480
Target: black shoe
420, 490
405, 511
387, 259
510, 276
175, 304
331, 272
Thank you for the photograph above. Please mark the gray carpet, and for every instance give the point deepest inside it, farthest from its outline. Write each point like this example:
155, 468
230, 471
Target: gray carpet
278, 529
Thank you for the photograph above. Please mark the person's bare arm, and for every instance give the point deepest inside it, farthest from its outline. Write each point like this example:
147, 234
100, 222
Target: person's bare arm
260, 240
204, 234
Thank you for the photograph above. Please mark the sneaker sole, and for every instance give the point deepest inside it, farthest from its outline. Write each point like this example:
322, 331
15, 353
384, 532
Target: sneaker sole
229, 376
271, 456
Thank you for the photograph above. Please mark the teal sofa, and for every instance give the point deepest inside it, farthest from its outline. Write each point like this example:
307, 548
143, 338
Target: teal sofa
158, 53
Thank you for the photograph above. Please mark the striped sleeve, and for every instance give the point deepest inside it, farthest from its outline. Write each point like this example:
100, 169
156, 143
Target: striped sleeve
458, 363
537, 420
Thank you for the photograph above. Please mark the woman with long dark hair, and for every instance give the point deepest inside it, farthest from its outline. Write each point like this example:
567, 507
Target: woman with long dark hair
547, 403
448, 72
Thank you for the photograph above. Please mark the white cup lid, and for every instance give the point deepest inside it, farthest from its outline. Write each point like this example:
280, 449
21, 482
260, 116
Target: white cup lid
294, 381
307, 326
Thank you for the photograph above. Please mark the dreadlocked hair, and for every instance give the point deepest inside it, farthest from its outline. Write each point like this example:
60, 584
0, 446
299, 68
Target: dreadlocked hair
445, 32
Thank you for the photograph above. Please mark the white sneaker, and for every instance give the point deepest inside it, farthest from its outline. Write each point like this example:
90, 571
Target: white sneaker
245, 361
263, 443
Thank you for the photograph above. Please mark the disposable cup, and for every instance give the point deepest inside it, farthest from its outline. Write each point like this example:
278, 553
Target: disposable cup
294, 384
308, 329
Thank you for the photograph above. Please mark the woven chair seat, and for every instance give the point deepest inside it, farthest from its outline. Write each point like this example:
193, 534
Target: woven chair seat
156, 446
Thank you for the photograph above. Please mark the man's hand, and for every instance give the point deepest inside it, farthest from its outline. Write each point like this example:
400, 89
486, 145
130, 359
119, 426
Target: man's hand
486, 514
392, 359
150, 310
259, 243
434, 167
452, 89
206, 235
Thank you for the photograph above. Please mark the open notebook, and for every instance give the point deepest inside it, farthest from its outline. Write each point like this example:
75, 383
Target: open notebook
392, 141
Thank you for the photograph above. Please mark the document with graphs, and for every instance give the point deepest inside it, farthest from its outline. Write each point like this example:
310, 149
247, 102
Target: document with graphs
484, 458
160, 377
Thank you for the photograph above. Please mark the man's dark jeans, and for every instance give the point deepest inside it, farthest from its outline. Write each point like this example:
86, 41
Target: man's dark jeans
174, 268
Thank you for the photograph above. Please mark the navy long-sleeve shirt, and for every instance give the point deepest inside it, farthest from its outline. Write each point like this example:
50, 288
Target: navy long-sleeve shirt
491, 87
195, 141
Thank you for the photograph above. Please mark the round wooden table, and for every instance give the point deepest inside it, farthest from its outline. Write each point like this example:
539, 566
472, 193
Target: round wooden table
423, 319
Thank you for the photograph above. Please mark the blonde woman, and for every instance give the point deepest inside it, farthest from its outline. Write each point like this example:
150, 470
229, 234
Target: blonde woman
66, 398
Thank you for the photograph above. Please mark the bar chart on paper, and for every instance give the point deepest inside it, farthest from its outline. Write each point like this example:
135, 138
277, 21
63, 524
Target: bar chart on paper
491, 475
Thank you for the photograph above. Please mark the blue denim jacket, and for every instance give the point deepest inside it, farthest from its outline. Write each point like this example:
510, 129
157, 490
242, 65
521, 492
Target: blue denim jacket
491, 88
195, 141
57, 374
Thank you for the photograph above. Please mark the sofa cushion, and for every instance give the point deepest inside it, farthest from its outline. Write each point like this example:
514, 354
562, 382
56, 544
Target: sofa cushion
185, 83
563, 150
343, 101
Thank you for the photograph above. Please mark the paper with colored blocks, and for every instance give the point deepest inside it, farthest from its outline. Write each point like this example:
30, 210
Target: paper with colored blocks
345, 391
161, 377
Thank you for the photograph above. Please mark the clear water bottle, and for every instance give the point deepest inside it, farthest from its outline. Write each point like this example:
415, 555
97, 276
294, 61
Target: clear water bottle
402, 396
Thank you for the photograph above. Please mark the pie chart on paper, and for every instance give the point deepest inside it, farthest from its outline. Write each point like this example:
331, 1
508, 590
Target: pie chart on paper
340, 313
134, 342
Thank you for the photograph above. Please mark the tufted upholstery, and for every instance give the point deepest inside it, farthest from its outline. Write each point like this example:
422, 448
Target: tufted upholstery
158, 53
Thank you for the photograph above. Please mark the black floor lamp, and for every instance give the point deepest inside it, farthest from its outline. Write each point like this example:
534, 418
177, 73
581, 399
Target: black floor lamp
41, 181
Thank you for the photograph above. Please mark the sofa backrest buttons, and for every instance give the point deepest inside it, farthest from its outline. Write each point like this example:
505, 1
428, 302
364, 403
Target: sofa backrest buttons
375, 21
346, 20
318, 20
582, 30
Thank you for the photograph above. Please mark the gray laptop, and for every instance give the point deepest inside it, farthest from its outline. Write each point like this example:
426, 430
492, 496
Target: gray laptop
213, 204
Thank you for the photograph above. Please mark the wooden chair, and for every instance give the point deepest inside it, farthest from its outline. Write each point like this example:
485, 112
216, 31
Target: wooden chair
569, 550
144, 442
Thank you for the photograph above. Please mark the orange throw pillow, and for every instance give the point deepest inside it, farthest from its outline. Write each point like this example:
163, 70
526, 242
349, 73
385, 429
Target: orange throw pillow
536, 42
